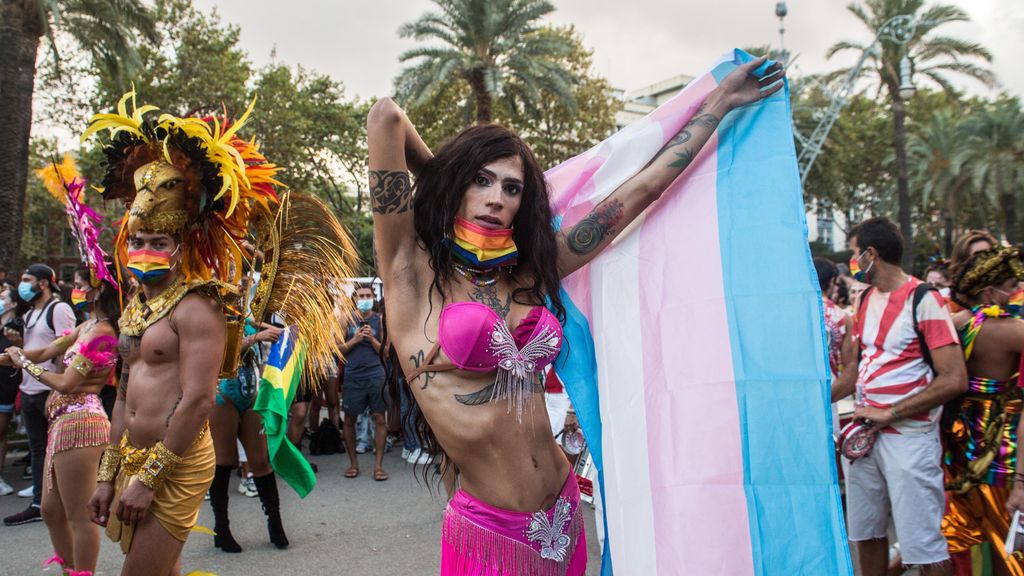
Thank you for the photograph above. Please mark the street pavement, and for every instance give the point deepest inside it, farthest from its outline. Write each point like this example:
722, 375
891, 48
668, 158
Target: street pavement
345, 527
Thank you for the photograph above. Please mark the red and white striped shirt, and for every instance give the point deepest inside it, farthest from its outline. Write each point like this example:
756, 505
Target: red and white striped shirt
892, 367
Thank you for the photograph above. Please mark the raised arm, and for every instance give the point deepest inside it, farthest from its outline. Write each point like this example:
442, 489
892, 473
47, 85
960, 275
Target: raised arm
581, 243
394, 149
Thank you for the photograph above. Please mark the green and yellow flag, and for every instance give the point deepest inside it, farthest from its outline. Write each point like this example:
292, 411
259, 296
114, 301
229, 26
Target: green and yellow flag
281, 377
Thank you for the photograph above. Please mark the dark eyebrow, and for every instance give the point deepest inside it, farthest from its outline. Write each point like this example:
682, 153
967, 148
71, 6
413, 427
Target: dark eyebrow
505, 180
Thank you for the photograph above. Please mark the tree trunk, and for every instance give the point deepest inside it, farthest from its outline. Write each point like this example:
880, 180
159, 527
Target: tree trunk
1010, 218
481, 95
899, 142
19, 42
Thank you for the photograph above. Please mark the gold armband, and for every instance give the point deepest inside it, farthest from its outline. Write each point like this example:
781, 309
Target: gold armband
64, 342
159, 465
109, 464
82, 365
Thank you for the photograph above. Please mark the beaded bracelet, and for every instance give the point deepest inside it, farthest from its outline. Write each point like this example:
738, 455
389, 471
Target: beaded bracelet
109, 464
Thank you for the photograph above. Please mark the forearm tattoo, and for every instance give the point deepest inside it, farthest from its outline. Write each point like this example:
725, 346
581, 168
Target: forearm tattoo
488, 296
483, 396
391, 191
684, 157
588, 233
418, 360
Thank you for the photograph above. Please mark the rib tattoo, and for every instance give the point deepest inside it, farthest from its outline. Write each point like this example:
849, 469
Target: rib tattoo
588, 233
418, 359
483, 395
391, 191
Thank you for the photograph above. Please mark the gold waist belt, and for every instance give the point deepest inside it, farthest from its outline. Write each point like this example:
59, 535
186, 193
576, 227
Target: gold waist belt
132, 458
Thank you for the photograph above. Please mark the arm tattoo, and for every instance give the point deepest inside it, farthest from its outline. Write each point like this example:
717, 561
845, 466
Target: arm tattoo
418, 360
483, 396
173, 410
686, 156
588, 233
122, 384
488, 296
391, 191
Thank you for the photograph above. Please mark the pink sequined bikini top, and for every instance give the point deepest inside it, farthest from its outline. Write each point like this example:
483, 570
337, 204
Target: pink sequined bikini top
476, 338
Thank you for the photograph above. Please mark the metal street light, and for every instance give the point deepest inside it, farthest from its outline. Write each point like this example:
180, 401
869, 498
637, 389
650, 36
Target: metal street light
907, 87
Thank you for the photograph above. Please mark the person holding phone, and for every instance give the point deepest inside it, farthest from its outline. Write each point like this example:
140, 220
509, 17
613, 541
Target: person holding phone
363, 384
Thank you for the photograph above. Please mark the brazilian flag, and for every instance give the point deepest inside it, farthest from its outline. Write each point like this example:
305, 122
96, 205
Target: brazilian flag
281, 377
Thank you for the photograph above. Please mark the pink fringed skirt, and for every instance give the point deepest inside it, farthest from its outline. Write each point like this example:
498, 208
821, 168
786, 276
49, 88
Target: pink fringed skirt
478, 539
76, 421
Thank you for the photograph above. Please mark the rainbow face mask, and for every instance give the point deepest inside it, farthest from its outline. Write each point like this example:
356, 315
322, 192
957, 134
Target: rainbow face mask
1016, 302
149, 266
78, 299
479, 247
855, 271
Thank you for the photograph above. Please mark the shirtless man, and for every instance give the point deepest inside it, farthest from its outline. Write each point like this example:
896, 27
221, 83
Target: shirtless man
172, 342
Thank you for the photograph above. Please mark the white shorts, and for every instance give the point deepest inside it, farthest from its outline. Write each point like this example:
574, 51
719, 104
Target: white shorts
902, 475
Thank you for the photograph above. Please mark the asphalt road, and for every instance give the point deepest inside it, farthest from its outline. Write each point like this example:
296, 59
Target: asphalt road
347, 527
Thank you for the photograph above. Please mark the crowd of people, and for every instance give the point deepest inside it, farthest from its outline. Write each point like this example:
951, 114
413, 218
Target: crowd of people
132, 421
930, 451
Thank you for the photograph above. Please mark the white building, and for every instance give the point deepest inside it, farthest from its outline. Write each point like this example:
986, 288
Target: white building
823, 223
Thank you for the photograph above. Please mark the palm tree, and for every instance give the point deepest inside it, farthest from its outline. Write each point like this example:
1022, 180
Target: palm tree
939, 155
106, 29
996, 137
484, 43
932, 56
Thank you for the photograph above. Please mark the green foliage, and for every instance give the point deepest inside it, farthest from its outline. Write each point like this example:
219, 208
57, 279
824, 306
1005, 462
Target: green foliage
555, 132
491, 46
852, 173
110, 31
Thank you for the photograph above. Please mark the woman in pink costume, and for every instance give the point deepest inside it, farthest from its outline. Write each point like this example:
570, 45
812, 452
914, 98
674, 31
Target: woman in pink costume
79, 429
468, 261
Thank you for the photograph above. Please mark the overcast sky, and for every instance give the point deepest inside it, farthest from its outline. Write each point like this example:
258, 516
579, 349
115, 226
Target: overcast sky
635, 42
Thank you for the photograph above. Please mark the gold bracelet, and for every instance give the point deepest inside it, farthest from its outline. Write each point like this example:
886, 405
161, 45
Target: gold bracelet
158, 466
82, 365
34, 369
110, 462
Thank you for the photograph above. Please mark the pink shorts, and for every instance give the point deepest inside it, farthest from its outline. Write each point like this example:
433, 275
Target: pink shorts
478, 539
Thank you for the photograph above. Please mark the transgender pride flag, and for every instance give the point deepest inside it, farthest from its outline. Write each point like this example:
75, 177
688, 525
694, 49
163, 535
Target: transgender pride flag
695, 354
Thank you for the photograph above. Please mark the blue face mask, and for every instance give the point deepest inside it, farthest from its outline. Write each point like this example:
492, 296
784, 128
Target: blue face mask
364, 305
26, 292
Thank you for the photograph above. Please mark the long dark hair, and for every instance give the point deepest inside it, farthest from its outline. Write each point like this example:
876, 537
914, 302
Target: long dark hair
109, 301
440, 187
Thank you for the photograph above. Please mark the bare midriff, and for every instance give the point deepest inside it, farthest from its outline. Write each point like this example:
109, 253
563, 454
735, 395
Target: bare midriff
154, 387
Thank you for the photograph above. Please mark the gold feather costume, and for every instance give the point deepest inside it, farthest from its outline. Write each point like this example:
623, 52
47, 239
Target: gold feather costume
197, 180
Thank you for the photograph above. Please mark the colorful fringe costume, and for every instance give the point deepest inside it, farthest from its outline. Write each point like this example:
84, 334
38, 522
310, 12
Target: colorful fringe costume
981, 457
478, 539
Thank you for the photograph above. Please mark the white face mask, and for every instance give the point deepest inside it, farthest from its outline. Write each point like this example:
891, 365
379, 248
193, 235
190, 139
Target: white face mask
364, 304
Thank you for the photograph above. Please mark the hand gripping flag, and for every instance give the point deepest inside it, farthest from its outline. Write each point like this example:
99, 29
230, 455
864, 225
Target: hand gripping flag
695, 353
281, 377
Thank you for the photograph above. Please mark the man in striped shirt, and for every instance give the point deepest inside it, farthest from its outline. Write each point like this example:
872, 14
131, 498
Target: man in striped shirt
910, 364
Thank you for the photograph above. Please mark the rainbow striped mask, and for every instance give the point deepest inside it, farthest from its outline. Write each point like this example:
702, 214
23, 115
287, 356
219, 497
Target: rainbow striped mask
149, 266
479, 247
78, 299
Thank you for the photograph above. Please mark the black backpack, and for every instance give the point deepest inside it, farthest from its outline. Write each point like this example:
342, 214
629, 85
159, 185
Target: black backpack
326, 440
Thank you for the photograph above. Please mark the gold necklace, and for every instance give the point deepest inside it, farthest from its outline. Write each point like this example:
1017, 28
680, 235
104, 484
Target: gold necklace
139, 315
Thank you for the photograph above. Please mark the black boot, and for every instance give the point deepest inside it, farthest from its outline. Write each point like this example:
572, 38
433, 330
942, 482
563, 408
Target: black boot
219, 502
266, 486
